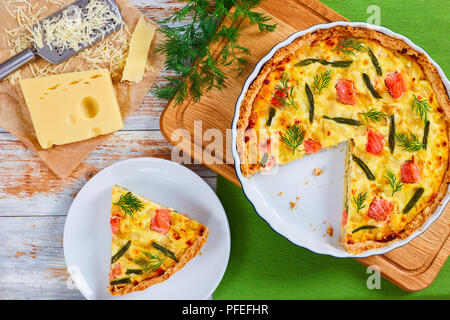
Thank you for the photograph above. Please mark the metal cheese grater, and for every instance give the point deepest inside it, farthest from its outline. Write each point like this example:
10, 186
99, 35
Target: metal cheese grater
55, 55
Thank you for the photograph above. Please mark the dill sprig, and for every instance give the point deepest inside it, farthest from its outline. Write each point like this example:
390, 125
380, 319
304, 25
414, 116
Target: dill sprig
421, 107
408, 142
129, 203
359, 201
196, 70
293, 137
373, 115
348, 46
391, 179
150, 262
322, 81
288, 100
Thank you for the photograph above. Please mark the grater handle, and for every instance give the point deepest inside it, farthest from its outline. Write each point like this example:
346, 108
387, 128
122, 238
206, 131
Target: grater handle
16, 62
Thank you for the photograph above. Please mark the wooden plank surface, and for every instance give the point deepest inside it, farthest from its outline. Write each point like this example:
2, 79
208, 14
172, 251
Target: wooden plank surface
413, 266
34, 202
216, 108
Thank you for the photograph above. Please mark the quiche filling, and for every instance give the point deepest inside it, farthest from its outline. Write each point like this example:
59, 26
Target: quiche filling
343, 88
150, 242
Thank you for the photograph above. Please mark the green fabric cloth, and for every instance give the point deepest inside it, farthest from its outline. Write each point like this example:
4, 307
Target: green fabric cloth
264, 264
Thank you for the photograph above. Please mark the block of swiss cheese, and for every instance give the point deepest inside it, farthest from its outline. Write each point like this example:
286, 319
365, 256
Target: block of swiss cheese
72, 107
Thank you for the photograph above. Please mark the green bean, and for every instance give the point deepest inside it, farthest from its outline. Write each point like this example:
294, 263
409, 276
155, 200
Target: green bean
336, 64
392, 134
369, 86
272, 113
264, 159
416, 196
165, 251
364, 227
364, 168
310, 96
375, 62
426, 131
120, 281
121, 252
348, 121
134, 271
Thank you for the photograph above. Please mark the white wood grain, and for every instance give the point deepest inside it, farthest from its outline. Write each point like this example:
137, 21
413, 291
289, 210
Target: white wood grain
34, 202
32, 259
28, 187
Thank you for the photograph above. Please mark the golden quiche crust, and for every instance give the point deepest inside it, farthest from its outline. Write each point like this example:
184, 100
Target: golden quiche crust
190, 253
429, 70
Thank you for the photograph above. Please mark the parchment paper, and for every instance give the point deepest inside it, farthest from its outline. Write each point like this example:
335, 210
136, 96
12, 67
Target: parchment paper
15, 117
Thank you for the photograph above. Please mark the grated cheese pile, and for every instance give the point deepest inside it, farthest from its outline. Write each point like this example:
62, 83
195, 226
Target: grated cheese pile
76, 28
108, 53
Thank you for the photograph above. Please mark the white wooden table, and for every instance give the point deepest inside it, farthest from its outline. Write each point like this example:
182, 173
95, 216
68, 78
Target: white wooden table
34, 202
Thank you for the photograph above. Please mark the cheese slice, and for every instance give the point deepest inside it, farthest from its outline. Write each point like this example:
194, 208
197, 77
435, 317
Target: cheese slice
139, 47
71, 107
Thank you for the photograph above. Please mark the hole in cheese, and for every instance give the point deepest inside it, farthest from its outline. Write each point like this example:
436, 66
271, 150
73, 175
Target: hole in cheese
89, 107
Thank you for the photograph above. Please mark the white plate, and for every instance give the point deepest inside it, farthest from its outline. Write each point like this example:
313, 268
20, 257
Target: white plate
87, 232
321, 198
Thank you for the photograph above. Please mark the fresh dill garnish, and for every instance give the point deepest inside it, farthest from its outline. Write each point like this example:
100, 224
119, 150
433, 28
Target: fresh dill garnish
293, 137
408, 142
359, 201
287, 99
421, 107
322, 81
150, 262
194, 67
373, 115
391, 179
348, 46
129, 203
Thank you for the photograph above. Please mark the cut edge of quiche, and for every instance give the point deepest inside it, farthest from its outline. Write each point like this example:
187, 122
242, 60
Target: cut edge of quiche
150, 242
263, 163
411, 227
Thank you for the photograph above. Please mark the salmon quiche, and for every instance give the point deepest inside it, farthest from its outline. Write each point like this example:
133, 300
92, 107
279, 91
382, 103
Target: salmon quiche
150, 242
376, 92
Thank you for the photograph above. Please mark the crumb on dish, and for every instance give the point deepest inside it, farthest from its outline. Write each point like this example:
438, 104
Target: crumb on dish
317, 172
330, 231
293, 204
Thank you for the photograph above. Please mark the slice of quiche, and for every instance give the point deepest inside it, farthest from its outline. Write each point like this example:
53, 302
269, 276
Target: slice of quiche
150, 242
